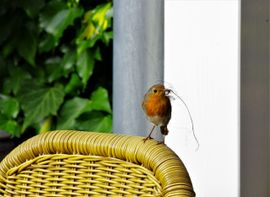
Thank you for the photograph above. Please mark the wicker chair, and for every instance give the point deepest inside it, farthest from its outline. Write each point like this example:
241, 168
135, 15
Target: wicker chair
75, 163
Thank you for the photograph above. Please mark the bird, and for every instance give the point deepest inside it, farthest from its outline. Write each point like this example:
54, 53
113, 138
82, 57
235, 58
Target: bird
157, 108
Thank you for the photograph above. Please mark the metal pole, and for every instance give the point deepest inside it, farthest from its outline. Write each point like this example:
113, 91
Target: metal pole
138, 57
255, 85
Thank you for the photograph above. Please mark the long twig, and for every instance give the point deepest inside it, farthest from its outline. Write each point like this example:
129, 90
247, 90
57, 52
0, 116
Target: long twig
190, 116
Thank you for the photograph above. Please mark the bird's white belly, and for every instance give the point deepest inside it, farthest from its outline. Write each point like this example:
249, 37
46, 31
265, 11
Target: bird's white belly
157, 120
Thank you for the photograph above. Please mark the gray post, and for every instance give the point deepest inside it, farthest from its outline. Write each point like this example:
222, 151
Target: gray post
255, 154
138, 57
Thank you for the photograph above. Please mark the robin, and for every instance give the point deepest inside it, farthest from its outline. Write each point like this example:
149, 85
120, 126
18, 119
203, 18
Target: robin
157, 107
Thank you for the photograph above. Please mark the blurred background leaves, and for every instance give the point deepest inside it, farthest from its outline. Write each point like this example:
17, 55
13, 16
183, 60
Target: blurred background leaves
55, 65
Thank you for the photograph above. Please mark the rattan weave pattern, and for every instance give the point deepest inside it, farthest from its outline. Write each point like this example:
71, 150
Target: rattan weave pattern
74, 163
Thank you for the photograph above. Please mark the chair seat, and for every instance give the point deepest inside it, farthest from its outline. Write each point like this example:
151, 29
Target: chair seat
76, 163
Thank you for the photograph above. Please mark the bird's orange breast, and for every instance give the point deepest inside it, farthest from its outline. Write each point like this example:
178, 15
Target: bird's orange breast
157, 105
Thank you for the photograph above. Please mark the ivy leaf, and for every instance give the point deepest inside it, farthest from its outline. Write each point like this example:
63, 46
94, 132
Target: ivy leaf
95, 121
97, 21
53, 68
82, 45
45, 125
102, 15
95, 24
71, 110
73, 84
75, 107
100, 100
47, 43
49, 11
39, 102
57, 67
16, 79
9, 125
98, 54
9, 106
85, 66
68, 61
27, 46
106, 37
45, 17
61, 20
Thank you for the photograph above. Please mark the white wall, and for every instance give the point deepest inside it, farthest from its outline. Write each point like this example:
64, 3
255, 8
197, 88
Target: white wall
202, 66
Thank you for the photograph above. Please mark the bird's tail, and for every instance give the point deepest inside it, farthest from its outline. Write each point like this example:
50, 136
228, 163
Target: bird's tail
164, 130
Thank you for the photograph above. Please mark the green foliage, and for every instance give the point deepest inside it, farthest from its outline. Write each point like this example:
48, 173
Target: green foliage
85, 65
53, 54
9, 109
38, 102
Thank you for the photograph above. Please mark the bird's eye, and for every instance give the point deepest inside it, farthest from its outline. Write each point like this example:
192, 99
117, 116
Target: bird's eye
155, 90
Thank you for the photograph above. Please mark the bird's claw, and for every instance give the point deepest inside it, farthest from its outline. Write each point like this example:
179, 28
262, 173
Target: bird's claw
162, 142
147, 138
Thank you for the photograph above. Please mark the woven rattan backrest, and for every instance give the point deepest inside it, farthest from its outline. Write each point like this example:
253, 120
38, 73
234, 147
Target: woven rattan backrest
75, 163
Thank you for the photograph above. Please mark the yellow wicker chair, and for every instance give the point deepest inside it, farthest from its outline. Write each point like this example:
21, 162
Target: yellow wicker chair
75, 163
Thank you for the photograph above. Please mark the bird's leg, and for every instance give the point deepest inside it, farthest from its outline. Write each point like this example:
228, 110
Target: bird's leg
162, 142
149, 136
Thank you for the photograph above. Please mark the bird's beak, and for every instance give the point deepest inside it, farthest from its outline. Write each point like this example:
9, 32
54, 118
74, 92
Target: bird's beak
167, 92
